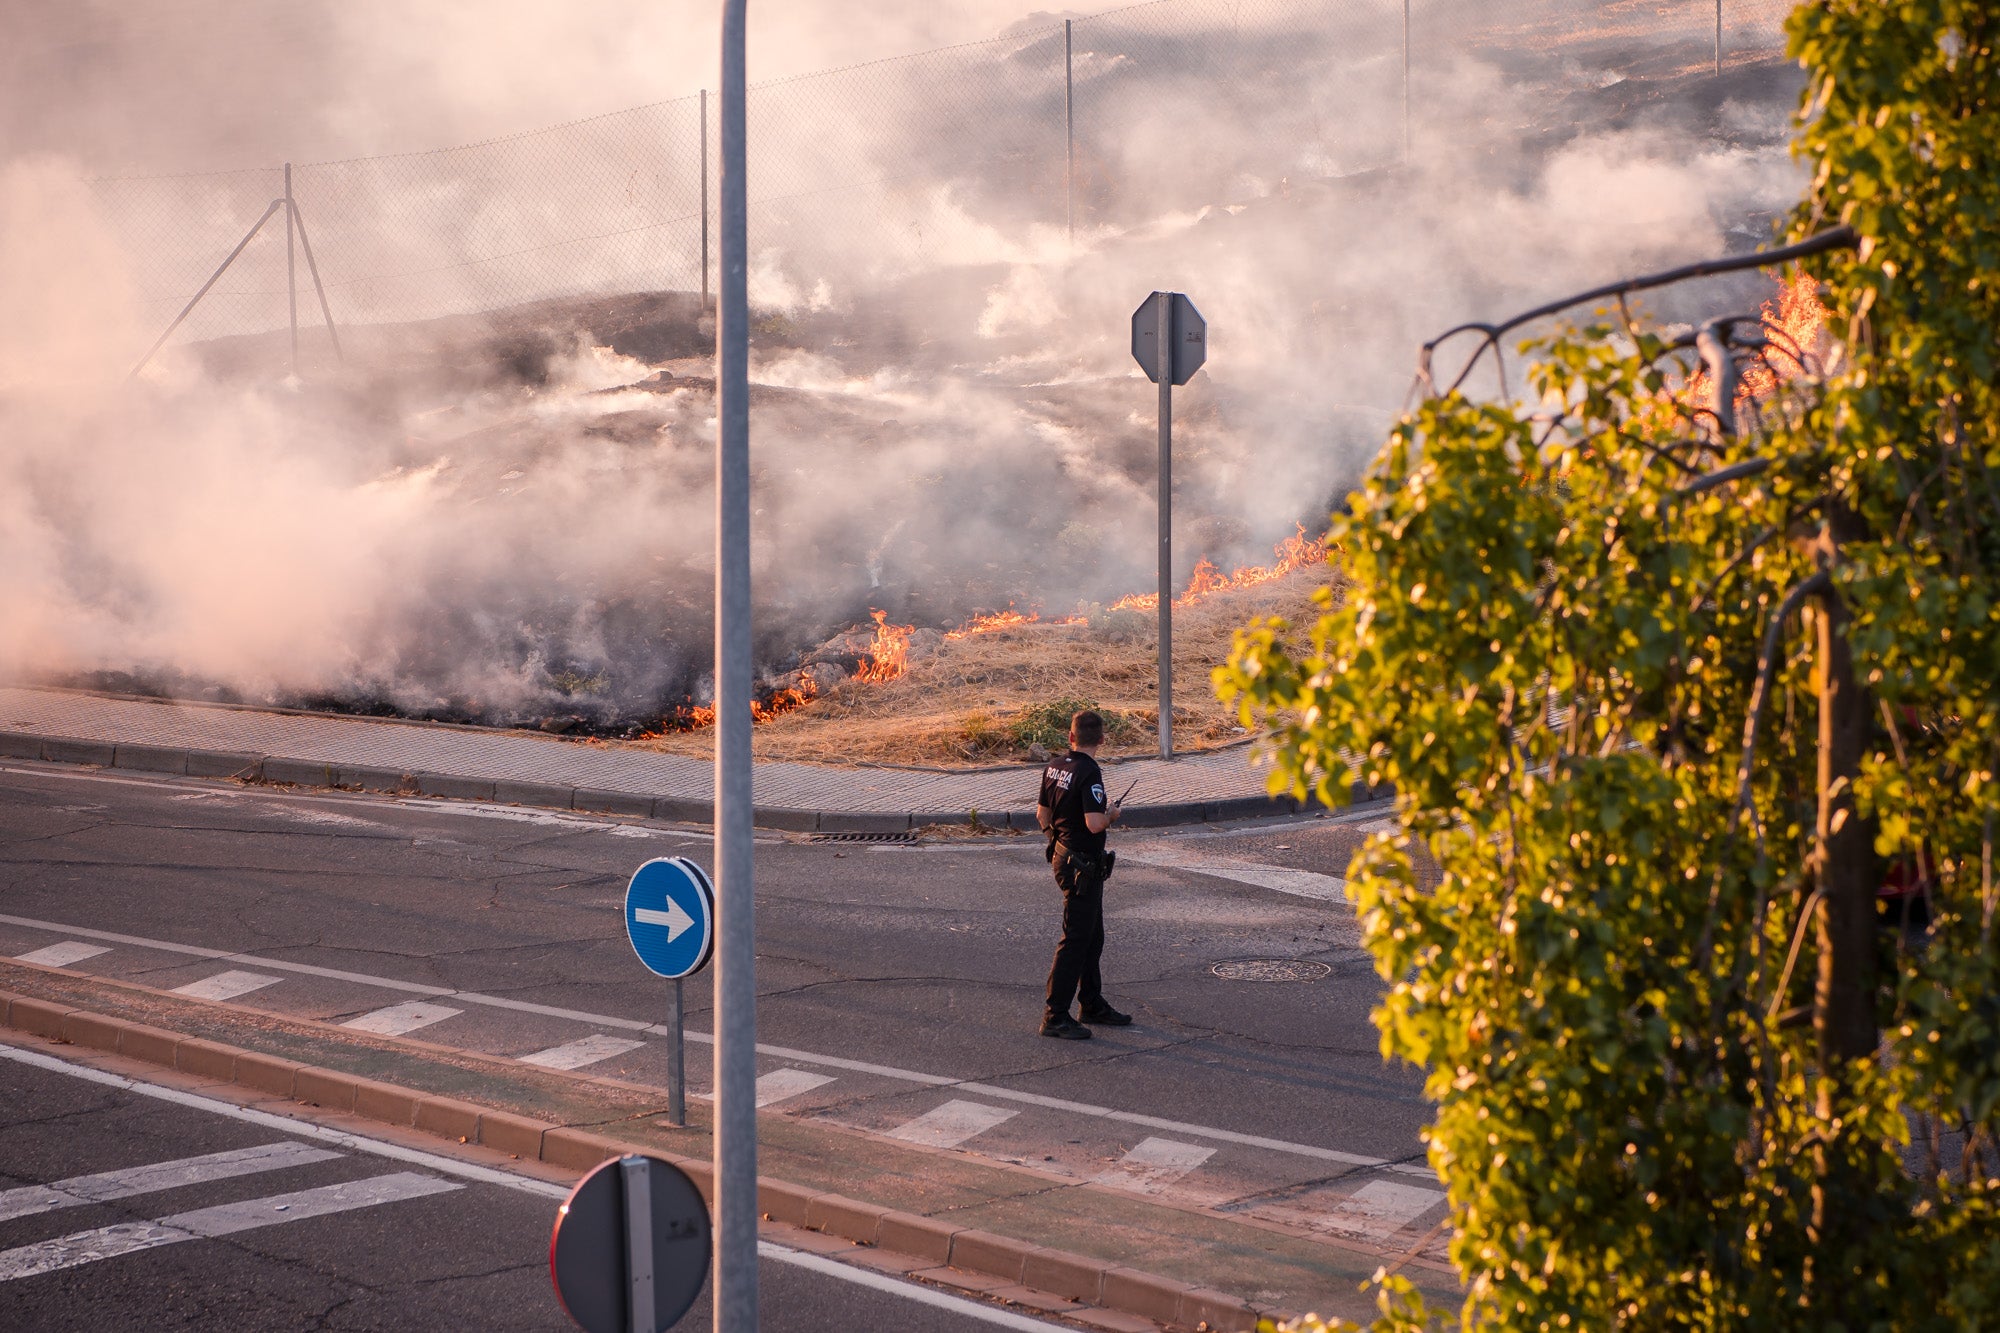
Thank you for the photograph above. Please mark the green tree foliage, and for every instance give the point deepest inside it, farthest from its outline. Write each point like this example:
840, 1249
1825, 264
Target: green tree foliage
1668, 678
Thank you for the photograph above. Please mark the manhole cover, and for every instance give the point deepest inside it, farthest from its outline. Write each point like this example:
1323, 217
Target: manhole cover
863, 837
1270, 969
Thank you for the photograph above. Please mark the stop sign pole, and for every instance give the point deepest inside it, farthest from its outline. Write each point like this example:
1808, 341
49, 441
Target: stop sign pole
1163, 305
1170, 342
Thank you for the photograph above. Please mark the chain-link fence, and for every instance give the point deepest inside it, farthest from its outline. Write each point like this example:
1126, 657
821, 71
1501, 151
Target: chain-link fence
978, 153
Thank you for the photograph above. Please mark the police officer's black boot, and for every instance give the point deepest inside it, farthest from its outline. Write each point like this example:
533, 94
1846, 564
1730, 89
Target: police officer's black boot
1104, 1016
1062, 1025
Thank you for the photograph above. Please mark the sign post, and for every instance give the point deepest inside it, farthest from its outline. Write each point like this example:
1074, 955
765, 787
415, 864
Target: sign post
736, 963
670, 920
1170, 343
631, 1247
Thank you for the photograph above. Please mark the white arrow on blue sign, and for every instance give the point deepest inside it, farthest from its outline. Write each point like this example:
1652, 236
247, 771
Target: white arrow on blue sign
670, 916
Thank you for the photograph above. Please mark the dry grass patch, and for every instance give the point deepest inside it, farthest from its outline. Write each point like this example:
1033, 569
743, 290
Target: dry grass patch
980, 699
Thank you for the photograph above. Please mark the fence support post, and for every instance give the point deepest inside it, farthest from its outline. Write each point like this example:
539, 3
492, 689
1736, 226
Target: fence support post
1718, 36
1406, 81
1069, 131
292, 267
319, 289
213, 278
704, 199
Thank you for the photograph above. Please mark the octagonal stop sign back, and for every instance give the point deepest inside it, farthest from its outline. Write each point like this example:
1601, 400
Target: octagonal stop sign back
631, 1247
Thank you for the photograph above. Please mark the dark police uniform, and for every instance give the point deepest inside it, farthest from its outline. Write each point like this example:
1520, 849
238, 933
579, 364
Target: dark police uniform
1071, 787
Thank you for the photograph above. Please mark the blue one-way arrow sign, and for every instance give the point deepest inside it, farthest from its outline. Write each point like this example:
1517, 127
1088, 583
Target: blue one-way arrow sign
670, 916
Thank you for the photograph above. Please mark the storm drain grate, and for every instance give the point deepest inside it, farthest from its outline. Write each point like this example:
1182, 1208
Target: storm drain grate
863, 837
1270, 969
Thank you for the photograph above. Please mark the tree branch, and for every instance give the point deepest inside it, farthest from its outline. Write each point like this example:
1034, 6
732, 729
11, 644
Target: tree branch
1835, 238
1766, 668
1749, 467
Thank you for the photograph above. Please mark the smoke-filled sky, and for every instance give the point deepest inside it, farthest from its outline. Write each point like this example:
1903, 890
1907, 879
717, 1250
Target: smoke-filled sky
186, 85
499, 506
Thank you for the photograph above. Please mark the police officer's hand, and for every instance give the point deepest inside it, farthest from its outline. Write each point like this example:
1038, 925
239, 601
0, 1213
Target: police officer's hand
1115, 808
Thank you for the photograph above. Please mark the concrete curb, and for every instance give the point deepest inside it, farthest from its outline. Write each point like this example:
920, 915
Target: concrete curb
286, 770
1101, 1284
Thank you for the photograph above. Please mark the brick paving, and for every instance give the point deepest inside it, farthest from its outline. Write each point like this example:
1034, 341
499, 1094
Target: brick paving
1212, 785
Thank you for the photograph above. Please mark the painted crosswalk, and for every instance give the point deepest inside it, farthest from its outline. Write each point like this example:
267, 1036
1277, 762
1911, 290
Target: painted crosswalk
84, 1247
951, 1124
64, 954
583, 1051
226, 985
783, 1084
779, 1085
104, 1186
1381, 1208
1154, 1164
399, 1019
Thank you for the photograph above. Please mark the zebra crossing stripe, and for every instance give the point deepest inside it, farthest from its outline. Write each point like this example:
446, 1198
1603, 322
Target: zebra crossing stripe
951, 1124
62, 955
398, 1019
104, 1186
1381, 1208
780, 1084
583, 1051
1154, 1164
86, 1247
226, 985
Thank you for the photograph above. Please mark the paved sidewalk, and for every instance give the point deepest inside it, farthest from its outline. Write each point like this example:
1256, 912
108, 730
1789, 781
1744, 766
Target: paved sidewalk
529, 769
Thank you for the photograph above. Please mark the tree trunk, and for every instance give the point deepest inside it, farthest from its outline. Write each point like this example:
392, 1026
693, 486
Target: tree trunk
1846, 875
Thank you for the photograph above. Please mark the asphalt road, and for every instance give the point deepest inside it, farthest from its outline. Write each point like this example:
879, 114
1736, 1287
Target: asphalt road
125, 1206
888, 961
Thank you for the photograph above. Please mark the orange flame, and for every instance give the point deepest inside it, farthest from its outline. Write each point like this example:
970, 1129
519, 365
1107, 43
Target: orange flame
889, 653
1007, 619
1293, 553
784, 701
1794, 327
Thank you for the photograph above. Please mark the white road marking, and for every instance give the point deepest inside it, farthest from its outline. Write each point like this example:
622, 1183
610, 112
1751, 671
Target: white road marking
514, 814
782, 1084
1154, 1165
398, 1019
951, 1124
1282, 879
788, 1054
1381, 1208
227, 1219
226, 985
862, 1277
583, 1051
449, 1166
106, 1185
62, 955
484, 1175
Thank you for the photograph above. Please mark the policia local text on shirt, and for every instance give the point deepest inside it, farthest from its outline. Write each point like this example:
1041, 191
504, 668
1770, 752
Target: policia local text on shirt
1073, 811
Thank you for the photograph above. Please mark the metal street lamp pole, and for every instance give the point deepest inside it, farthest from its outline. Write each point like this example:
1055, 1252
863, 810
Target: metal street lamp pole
735, 1286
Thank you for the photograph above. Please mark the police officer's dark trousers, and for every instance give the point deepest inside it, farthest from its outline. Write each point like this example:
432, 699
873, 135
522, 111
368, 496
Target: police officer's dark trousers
1075, 973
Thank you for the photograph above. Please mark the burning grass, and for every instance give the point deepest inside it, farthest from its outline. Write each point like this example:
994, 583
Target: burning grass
992, 690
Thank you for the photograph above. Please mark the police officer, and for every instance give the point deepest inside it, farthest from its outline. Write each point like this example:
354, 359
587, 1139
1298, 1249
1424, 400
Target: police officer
1075, 813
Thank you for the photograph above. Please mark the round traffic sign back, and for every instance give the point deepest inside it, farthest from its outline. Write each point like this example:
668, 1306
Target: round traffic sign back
631, 1246
670, 916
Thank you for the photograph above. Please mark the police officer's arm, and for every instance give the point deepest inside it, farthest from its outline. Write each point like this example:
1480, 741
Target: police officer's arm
1098, 820
1044, 817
